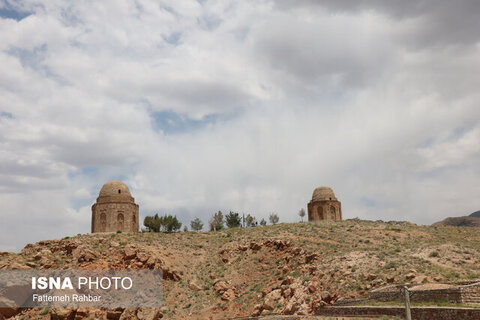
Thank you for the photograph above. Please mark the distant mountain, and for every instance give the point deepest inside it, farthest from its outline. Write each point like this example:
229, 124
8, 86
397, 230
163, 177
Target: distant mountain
476, 214
467, 221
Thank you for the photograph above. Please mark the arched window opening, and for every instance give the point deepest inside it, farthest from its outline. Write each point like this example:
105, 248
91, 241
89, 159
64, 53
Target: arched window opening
103, 222
333, 213
120, 221
320, 212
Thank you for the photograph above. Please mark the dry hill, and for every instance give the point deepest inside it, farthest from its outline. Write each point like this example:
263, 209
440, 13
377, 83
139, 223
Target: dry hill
476, 214
284, 269
466, 221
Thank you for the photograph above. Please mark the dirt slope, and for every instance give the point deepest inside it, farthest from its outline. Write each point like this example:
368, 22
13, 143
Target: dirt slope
284, 269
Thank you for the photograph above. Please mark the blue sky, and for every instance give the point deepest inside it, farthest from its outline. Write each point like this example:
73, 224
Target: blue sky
201, 106
8, 11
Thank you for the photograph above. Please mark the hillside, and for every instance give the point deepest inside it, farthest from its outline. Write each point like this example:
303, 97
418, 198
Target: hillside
476, 214
466, 221
286, 269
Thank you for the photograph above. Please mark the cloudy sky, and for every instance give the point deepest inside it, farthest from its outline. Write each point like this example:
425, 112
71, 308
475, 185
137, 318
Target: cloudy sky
237, 105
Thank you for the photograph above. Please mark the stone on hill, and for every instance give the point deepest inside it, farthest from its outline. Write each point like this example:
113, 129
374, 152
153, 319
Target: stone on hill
142, 257
45, 253
194, 286
313, 287
255, 246
221, 286
70, 246
170, 274
18, 266
288, 281
271, 299
82, 313
114, 314
371, 277
291, 307
311, 257
228, 295
130, 252
326, 296
9, 312
257, 309
149, 314
84, 254
410, 276
128, 314
62, 313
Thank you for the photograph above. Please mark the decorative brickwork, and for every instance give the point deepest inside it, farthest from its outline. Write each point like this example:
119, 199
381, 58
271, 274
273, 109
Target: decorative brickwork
324, 205
115, 209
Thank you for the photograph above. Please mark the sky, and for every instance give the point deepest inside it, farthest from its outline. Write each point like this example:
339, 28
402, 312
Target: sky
200, 106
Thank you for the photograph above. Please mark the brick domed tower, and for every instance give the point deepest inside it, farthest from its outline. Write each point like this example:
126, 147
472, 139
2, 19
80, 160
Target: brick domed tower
324, 205
115, 209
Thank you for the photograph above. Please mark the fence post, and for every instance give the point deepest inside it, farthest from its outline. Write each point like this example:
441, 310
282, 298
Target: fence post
408, 315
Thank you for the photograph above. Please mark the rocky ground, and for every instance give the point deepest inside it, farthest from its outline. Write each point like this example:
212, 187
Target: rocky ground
283, 269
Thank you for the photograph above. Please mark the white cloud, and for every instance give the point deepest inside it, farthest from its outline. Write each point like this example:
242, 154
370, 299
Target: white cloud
363, 98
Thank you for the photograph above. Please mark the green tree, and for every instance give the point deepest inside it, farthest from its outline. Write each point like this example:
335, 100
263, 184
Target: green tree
147, 222
233, 220
263, 222
196, 224
251, 221
152, 223
301, 213
170, 223
273, 218
166, 223
216, 223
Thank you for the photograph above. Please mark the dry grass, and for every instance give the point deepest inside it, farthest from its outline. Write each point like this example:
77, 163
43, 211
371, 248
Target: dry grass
350, 252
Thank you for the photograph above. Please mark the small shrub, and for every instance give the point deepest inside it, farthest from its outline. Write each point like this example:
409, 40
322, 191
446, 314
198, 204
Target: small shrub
452, 275
433, 254
45, 311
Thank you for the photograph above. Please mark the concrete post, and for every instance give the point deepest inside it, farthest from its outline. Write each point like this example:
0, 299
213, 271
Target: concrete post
408, 315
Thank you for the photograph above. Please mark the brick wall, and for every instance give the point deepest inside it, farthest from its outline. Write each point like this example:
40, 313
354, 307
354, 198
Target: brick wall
461, 294
418, 313
471, 293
